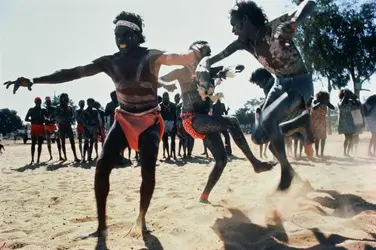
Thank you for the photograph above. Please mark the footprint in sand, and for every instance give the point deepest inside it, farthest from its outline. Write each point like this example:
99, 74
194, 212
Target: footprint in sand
16, 245
55, 200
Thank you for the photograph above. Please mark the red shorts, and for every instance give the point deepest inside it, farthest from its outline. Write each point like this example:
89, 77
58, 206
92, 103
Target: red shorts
50, 128
37, 130
187, 124
80, 128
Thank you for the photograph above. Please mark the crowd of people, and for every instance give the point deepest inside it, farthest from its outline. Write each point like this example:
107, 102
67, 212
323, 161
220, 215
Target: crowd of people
141, 119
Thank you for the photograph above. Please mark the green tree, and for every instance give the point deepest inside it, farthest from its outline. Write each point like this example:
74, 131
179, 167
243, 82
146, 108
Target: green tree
9, 121
246, 114
338, 42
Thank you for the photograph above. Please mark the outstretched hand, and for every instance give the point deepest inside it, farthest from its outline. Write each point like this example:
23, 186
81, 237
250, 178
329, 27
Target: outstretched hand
20, 82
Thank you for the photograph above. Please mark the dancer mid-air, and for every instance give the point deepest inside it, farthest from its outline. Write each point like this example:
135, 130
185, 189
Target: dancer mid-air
271, 44
200, 125
138, 124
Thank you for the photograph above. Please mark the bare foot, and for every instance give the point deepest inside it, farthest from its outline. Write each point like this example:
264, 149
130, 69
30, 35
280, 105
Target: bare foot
139, 228
263, 166
204, 200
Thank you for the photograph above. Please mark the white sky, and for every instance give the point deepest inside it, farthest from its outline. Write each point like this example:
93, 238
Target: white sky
41, 36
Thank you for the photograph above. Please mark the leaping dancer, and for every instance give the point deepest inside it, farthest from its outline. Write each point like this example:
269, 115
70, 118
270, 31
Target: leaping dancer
138, 124
200, 125
271, 44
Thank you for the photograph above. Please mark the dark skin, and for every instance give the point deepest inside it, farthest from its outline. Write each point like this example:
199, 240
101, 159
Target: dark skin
168, 112
79, 119
219, 108
101, 113
51, 120
91, 123
211, 126
65, 117
36, 116
251, 38
128, 87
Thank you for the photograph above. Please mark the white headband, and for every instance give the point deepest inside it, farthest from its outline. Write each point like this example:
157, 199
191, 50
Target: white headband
128, 24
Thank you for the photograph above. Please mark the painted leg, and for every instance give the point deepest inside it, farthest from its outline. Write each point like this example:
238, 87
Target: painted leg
214, 142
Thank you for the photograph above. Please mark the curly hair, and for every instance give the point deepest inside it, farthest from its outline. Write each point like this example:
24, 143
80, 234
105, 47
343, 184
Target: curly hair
197, 42
346, 92
251, 10
322, 95
260, 74
134, 18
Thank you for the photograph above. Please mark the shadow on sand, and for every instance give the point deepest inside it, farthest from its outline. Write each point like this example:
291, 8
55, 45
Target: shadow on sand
150, 240
238, 231
63, 164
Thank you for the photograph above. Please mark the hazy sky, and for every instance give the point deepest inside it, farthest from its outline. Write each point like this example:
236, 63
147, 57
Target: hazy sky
41, 36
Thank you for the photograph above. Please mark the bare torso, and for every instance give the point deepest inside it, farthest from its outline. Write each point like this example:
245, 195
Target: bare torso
135, 78
280, 57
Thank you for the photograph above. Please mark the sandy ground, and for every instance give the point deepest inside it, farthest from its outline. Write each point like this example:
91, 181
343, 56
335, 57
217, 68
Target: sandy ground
48, 206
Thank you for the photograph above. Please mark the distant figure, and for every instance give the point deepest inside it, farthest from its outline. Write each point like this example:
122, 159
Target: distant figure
219, 108
101, 126
168, 112
91, 123
36, 116
346, 124
369, 111
319, 112
50, 127
80, 125
65, 118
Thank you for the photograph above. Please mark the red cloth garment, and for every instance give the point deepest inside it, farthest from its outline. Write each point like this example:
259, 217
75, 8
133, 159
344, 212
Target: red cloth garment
50, 128
134, 125
187, 124
37, 130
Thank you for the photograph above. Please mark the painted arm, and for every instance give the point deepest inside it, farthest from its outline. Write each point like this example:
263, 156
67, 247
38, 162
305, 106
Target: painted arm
183, 59
64, 75
67, 75
228, 51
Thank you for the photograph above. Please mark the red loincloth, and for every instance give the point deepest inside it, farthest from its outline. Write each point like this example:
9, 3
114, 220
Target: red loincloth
50, 128
134, 125
37, 130
187, 124
80, 128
